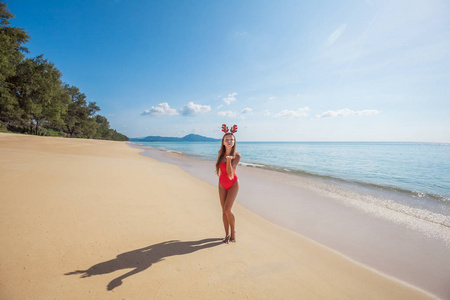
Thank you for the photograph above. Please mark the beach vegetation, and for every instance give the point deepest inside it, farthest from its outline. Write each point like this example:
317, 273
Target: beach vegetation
33, 98
41, 100
12, 52
80, 119
51, 132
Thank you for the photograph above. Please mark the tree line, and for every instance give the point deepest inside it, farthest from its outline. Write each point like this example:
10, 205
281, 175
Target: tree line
34, 100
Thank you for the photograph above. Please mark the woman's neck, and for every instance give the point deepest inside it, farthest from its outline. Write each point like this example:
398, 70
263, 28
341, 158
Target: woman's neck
228, 151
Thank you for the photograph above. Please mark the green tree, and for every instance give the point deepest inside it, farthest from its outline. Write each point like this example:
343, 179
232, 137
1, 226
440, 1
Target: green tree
41, 98
32, 95
79, 119
89, 128
103, 130
118, 136
11, 55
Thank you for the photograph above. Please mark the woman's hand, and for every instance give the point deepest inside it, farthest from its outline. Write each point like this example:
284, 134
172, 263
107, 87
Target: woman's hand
229, 157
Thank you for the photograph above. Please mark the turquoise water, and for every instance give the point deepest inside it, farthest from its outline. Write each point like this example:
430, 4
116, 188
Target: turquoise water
420, 169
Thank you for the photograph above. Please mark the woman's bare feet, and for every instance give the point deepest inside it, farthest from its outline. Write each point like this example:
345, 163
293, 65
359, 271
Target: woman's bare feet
226, 240
233, 237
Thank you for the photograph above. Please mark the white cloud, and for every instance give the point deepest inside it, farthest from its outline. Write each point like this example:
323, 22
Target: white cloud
231, 114
293, 114
335, 35
266, 113
162, 109
192, 109
228, 114
231, 98
345, 113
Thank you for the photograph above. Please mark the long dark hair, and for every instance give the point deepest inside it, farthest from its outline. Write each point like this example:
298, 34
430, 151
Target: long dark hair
223, 151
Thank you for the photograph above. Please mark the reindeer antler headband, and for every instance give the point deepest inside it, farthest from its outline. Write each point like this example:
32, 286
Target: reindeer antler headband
232, 130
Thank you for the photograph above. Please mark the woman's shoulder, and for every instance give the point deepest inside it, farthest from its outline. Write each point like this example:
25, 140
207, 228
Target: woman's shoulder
237, 155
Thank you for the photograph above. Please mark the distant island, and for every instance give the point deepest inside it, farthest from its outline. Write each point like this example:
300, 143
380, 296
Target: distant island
187, 138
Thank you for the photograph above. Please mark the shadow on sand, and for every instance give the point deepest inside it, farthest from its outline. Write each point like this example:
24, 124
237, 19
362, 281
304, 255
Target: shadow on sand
142, 259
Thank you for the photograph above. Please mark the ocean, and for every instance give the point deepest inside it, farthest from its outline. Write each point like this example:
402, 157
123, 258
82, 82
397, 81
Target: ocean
410, 177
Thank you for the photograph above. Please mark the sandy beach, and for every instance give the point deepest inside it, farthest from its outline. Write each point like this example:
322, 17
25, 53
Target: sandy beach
89, 219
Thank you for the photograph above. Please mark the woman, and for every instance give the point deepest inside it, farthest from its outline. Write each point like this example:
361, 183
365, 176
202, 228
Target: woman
227, 161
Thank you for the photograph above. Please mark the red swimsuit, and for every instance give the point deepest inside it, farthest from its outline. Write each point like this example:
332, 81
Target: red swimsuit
224, 181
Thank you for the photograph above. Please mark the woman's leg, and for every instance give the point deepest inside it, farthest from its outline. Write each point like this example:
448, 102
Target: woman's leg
223, 197
229, 201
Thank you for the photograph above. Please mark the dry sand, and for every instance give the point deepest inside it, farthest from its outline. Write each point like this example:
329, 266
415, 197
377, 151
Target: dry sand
85, 219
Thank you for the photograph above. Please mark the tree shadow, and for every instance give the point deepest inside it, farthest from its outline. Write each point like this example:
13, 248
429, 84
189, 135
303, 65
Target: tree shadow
141, 259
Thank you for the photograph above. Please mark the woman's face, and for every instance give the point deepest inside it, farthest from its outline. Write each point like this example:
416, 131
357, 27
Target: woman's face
228, 141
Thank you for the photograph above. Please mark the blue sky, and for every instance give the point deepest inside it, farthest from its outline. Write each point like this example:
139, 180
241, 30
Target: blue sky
281, 70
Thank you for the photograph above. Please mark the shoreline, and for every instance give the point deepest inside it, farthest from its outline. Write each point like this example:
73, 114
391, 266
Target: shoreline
424, 191
386, 241
89, 219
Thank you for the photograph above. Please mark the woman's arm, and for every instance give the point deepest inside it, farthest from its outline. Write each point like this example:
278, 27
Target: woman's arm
232, 163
